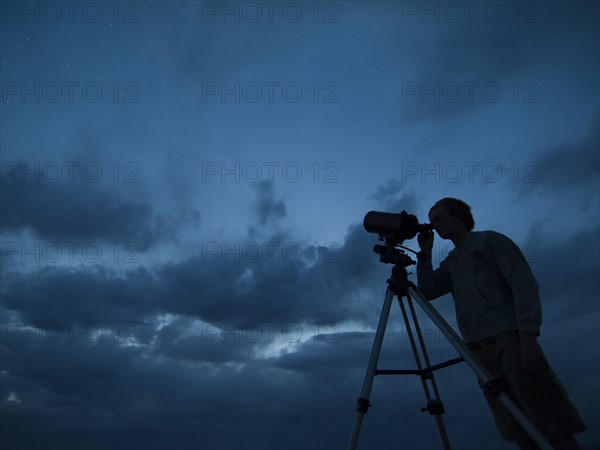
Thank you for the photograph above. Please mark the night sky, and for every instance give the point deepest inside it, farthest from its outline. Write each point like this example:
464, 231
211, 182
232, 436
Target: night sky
183, 184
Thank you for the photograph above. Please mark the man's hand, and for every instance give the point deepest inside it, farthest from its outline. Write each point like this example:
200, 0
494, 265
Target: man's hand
532, 357
425, 239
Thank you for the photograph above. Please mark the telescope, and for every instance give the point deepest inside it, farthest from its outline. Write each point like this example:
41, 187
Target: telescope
392, 227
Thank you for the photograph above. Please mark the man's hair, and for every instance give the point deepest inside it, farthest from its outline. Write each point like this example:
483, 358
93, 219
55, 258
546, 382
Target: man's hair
457, 208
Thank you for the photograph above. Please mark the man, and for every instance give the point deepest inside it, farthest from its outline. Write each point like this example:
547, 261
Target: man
499, 315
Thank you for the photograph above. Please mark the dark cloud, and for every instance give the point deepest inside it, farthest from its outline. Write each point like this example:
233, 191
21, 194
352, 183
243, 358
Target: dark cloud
494, 55
94, 296
301, 284
185, 340
77, 211
267, 208
450, 84
280, 286
390, 197
197, 377
569, 167
93, 337
384, 191
568, 290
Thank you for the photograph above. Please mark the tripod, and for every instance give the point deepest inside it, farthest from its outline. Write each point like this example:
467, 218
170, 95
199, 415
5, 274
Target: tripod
399, 285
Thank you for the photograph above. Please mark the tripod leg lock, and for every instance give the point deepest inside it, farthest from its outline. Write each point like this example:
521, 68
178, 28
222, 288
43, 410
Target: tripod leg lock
496, 386
362, 405
434, 407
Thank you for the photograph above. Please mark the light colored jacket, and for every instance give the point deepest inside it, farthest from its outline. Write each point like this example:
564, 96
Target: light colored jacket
492, 284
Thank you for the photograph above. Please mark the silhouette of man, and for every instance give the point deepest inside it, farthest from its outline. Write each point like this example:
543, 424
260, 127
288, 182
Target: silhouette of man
499, 315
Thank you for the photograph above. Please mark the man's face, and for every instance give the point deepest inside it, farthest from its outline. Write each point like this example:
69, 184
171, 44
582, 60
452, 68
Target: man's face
444, 223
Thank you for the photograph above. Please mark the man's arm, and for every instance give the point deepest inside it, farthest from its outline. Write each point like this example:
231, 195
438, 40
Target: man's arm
432, 284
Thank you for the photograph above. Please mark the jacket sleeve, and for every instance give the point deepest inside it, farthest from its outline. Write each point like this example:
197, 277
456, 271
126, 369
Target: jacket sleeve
513, 267
433, 283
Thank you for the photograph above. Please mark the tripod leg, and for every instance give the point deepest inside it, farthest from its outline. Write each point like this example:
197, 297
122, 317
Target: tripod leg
479, 370
363, 402
430, 376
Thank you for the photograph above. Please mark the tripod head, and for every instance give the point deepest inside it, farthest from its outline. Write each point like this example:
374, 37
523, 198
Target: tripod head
389, 254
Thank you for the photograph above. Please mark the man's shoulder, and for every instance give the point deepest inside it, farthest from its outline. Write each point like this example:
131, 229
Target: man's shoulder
479, 240
488, 235
490, 240
481, 236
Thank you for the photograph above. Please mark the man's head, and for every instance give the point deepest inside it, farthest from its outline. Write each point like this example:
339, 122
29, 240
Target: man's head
451, 217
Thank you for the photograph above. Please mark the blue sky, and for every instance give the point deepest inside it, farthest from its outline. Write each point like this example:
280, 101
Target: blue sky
183, 187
